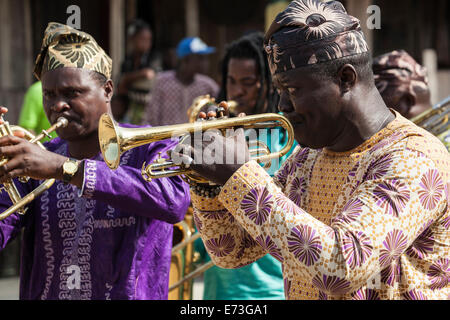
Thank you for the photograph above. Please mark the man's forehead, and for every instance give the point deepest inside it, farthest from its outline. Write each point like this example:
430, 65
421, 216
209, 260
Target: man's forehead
66, 76
243, 66
290, 76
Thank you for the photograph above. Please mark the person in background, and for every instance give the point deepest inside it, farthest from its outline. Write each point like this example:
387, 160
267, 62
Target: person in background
175, 90
138, 73
247, 81
403, 84
32, 115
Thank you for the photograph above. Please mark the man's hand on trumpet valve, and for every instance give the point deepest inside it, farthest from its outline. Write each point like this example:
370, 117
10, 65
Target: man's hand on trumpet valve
26, 158
216, 157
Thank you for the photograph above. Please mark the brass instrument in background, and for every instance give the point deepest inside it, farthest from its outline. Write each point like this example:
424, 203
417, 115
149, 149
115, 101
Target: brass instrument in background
19, 202
185, 264
436, 119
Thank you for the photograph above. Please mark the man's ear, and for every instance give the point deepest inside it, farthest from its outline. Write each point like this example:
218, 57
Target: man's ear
347, 77
109, 89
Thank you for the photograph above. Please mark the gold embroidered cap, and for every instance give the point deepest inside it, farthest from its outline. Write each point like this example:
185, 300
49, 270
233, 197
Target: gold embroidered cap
64, 46
311, 31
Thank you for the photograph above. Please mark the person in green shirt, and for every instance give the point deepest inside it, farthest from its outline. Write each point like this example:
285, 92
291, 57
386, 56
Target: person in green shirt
246, 80
32, 116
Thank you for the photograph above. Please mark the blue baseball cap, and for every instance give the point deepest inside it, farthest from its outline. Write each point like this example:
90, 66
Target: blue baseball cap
193, 45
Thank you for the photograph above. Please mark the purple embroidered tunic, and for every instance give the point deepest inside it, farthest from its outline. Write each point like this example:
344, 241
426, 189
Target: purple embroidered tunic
110, 240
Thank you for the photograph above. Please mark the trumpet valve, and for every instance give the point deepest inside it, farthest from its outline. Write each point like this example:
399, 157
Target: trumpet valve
15, 197
45, 133
159, 159
22, 211
23, 179
144, 172
221, 109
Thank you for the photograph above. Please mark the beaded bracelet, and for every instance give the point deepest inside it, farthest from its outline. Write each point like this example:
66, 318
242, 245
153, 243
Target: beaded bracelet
206, 190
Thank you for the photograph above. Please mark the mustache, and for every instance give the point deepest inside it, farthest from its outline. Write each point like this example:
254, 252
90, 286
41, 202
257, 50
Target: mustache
69, 118
295, 118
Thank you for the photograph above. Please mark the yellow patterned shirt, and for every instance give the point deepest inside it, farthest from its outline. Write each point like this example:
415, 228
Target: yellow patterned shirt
370, 223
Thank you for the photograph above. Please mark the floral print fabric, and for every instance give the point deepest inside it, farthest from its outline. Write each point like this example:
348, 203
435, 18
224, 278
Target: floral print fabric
371, 223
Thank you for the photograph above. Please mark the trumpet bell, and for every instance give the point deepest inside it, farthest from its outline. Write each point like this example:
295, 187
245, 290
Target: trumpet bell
110, 141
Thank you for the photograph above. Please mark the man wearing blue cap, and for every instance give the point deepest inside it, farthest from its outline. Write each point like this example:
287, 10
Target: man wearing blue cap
175, 90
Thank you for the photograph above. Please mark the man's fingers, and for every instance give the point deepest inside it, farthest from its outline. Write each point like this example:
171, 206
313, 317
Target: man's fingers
3, 110
11, 175
202, 115
238, 133
13, 168
10, 151
224, 104
211, 114
186, 160
10, 140
19, 133
211, 133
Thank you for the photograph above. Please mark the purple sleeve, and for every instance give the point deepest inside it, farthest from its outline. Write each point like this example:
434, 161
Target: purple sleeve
10, 227
165, 199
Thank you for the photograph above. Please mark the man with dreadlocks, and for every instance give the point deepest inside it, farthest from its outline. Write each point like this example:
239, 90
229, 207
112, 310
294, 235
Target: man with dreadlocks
246, 76
246, 80
361, 211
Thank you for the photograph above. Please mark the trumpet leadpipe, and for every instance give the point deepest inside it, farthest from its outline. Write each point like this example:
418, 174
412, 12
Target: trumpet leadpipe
61, 123
115, 140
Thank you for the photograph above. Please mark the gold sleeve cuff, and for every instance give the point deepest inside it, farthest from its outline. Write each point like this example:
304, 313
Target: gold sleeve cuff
206, 204
241, 182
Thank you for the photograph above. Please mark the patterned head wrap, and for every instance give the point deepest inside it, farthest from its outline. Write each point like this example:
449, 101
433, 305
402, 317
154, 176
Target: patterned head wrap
64, 46
398, 71
309, 32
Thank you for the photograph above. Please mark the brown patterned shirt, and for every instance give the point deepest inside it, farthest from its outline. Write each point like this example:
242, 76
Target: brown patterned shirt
171, 98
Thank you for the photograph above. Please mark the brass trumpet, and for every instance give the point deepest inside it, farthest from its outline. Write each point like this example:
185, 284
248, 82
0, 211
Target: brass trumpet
115, 140
19, 202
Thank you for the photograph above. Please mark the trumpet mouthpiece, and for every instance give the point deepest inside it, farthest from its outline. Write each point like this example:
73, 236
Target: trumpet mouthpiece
63, 122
